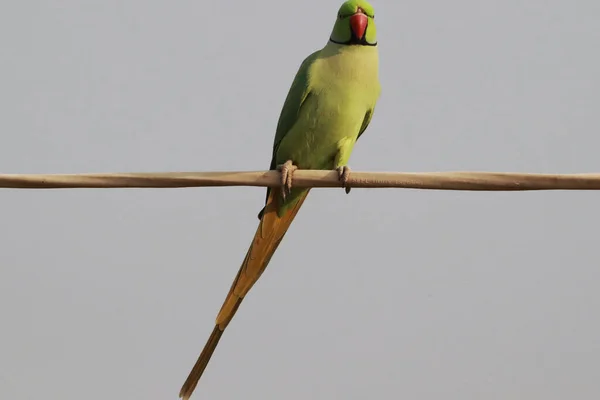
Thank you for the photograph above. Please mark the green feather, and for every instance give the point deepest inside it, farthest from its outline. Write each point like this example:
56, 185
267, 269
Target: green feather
330, 102
366, 122
297, 94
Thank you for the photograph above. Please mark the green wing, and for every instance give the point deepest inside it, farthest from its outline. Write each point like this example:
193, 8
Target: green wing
297, 95
366, 122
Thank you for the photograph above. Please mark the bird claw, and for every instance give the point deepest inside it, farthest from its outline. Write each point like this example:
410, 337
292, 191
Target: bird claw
287, 171
344, 176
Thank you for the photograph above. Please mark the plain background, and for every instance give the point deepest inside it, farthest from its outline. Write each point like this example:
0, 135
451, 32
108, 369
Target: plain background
378, 294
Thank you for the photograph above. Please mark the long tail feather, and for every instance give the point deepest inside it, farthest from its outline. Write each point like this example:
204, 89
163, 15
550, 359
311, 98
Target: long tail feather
269, 234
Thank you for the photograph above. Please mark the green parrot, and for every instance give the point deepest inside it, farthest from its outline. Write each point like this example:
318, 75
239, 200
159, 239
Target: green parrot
329, 105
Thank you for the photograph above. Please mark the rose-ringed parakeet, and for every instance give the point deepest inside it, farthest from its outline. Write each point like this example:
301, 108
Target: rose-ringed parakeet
328, 107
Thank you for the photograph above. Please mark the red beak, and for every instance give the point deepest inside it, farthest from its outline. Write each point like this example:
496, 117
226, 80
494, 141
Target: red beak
358, 23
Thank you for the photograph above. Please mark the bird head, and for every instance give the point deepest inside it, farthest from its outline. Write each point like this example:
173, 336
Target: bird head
355, 24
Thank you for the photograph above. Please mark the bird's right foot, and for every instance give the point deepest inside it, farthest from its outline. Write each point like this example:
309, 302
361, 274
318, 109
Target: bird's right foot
287, 171
344, 176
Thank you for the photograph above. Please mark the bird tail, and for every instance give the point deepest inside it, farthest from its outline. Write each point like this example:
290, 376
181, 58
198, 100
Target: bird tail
270, 232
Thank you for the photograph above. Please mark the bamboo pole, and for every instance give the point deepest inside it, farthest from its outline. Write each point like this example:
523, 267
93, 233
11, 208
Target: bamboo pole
479, 181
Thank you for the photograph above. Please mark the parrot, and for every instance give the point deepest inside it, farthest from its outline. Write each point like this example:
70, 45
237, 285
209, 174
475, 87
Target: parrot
328, 107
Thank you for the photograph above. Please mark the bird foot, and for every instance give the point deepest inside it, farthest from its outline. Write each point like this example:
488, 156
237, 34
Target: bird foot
344, 175
287, 171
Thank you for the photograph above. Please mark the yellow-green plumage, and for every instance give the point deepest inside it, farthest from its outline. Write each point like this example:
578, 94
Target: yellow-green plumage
343, 88
329, 105
331, 100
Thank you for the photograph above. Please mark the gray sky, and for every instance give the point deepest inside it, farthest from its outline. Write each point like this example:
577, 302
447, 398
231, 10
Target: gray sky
387, 293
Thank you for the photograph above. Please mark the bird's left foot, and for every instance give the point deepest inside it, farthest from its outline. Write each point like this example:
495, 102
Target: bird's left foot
287, 171
344, 175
